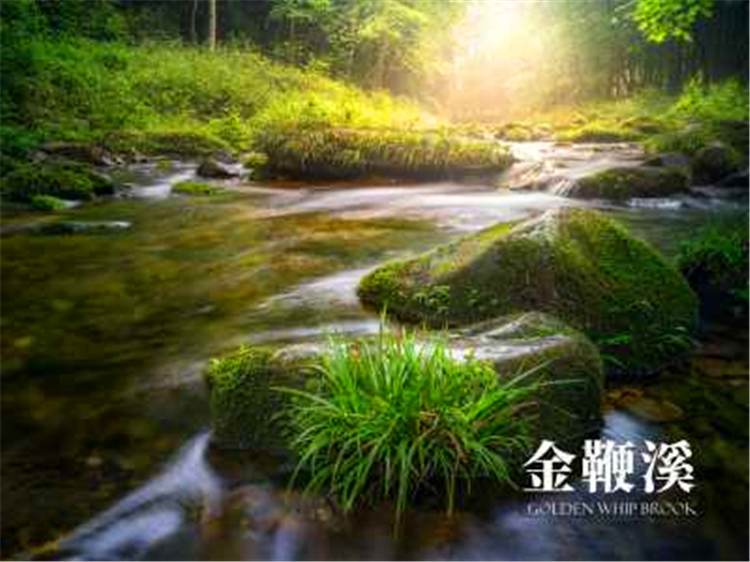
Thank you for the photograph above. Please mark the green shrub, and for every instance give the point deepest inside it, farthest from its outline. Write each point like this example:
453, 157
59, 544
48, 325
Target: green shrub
715, 102
715, 262
167, 98
47, 203
195, 188
392, 415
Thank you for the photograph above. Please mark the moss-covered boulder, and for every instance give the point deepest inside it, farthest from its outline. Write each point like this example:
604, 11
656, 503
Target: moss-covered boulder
213, 168
563, 361
244, 404
618, 184
715, 263
247, 409
62, 179
575, 264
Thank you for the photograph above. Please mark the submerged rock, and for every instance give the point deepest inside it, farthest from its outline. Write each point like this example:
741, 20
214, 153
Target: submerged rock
738, 179
211, 168
628, 182
572, 263
246, 405
83, 227
259, 522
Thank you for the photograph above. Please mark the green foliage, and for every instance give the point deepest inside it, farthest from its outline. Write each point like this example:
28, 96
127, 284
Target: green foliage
195, 188
389, 43
255, 160
724, 101
715, 261
66, 180
47, 203
166, 98
660, 20
393, 415
315, 152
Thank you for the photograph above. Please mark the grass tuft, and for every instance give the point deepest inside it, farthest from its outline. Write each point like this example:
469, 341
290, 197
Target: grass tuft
394, 415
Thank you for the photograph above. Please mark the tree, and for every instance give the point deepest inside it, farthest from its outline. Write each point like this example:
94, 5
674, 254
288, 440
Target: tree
212, 24
660, 20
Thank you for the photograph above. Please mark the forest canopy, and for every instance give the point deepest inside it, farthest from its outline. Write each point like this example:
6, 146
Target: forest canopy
450, 54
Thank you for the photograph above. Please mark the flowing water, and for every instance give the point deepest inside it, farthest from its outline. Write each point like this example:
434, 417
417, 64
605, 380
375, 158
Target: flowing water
106, 332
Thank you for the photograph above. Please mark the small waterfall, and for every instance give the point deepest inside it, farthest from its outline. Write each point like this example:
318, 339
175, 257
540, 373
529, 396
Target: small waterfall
561, 186
151, 513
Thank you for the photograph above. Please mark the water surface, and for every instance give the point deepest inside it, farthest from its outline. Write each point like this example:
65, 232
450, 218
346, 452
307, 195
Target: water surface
105, 334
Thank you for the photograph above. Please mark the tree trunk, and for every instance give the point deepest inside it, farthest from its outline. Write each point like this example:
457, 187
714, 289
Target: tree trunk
212, 24
193, 29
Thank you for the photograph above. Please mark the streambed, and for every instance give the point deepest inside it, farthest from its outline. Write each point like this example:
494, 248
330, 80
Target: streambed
105, 334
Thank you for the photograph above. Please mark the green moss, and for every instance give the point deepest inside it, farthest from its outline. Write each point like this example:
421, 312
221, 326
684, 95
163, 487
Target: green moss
624, 183
65, 180
244, 402
195, 188
575, 264
323, 152
715, 262
47, 203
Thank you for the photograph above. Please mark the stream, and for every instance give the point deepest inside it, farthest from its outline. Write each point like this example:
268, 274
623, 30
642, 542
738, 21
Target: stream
106, 331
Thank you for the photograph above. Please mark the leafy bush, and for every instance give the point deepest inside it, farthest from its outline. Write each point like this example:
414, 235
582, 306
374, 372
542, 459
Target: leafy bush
723, 101
392, 415
715, 262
